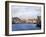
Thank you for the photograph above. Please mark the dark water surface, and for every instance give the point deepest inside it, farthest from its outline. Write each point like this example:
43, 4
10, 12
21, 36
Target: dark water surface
18, 27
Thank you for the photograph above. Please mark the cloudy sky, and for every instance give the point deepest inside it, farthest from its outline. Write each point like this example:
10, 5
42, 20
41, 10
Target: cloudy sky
25, 11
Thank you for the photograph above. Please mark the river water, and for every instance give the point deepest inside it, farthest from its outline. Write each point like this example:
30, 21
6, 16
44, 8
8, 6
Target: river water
19, 27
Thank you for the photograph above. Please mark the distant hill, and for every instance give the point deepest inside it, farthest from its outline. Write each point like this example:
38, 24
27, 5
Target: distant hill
18, 20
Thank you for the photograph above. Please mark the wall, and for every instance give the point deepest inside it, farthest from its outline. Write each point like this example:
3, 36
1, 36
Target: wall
2, 19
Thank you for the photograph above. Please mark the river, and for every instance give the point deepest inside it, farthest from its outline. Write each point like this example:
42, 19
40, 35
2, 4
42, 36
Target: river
18, 27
